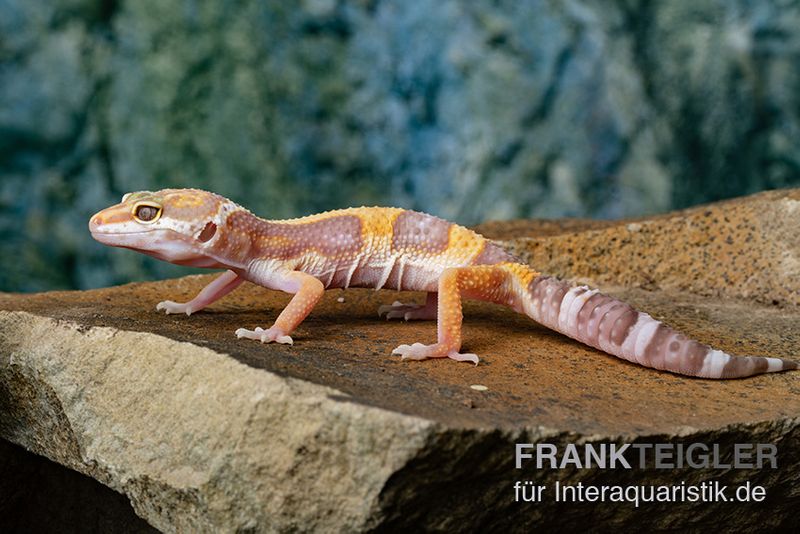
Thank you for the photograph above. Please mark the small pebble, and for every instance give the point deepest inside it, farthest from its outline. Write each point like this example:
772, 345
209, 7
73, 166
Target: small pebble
340, 299
479, 387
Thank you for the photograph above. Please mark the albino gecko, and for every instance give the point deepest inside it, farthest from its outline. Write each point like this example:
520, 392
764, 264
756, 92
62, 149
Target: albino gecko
397, 249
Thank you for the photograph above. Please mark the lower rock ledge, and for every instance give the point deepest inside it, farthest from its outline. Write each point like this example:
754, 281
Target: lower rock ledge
200, 442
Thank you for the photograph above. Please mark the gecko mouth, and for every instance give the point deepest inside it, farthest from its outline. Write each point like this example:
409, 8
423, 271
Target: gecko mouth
113, 238
136, 239
94, 233
163, 244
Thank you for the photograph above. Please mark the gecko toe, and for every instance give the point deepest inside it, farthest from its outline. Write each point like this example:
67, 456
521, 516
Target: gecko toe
457, 356
398, 310
242, 332
399, 350
169, 307
420, 351
417, 351
386, 308
265, 335
409, 352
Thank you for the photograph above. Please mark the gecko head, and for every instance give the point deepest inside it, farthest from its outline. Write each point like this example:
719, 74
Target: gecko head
174, 225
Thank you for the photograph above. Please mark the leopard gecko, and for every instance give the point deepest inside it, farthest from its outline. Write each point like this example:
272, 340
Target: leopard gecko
392, 248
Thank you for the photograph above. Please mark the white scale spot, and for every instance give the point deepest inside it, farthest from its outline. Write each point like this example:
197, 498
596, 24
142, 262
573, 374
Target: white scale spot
479, 387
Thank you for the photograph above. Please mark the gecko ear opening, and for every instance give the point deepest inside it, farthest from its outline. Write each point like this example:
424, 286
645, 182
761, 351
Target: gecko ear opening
208, 232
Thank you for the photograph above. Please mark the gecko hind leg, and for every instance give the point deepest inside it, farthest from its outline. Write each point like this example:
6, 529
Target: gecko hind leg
411, 312
483, 282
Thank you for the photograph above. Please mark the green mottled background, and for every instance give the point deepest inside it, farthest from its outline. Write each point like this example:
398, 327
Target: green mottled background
469, 110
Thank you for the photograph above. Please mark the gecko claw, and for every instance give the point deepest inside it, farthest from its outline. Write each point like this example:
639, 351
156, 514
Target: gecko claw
265, 336
419, 351
170, 307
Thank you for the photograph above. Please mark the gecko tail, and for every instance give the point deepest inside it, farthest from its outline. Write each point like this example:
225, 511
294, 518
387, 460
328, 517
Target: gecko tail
615, 327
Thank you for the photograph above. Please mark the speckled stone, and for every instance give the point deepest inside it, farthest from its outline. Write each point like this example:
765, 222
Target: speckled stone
745, 248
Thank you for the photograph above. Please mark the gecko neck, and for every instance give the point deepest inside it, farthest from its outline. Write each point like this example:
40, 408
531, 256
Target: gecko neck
247, 237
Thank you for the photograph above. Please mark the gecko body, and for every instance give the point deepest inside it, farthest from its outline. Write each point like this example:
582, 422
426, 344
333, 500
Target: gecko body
391, 248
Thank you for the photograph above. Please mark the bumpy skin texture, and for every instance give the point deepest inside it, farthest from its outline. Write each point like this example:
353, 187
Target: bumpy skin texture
395, 249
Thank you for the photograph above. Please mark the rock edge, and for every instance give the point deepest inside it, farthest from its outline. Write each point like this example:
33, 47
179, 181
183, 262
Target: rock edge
200, 442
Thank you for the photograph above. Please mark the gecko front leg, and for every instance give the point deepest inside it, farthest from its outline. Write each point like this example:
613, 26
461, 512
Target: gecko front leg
214, 291
307, 291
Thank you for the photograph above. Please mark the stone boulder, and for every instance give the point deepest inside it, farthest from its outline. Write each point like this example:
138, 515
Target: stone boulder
742, 249
204, 432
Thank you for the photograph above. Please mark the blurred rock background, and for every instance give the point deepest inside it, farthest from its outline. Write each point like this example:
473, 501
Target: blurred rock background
468, 110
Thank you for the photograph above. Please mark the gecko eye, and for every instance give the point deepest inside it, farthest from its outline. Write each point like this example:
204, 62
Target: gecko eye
146, 213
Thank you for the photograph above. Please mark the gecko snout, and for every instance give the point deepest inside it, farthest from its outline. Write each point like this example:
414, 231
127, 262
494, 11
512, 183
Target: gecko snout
109, 216
95, 222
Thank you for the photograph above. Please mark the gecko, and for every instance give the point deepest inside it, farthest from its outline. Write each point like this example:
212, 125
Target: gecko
392, 248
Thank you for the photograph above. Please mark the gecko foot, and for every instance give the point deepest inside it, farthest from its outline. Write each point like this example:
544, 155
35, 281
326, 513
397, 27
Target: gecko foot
174, 307
409, 312
265, 336
418, 351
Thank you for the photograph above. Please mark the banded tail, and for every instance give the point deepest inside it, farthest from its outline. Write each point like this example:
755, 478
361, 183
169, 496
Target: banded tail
615, 327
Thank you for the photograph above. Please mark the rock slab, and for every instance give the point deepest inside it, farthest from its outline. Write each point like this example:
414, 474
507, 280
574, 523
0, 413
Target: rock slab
743, 248
204, 432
